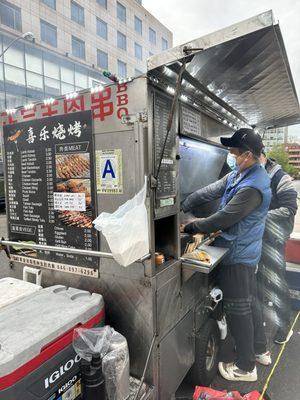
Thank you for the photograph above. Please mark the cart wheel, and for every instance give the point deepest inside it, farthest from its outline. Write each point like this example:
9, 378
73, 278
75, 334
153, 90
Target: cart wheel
207, 346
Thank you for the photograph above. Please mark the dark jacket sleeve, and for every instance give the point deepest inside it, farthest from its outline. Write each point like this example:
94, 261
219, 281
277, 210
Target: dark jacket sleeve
242, 204
283, 206
208, 193
284, 195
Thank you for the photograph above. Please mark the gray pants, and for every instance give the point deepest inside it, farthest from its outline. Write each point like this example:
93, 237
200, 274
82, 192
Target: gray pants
243, 312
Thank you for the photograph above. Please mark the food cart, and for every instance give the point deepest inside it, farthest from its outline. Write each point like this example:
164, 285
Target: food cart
70, 158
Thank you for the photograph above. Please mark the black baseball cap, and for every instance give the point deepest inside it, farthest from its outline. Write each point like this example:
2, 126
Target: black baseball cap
245, 139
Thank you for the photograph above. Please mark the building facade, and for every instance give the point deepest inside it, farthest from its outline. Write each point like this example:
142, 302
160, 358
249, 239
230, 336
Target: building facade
273, 137
75, 41
293, 151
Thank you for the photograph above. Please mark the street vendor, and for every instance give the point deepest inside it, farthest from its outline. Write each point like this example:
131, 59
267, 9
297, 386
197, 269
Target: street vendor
279, 226
245, 198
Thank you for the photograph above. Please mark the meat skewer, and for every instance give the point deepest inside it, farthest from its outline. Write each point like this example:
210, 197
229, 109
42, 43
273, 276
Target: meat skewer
76, 218
73, 165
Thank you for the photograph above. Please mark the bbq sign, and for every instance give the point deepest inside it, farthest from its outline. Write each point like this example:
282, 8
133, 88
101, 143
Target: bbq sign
50, 186
109, 104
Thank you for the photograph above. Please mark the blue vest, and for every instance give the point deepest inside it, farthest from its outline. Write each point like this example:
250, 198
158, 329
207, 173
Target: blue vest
244, 239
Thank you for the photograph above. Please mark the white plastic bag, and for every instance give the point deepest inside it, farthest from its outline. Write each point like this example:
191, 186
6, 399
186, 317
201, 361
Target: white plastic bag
126, 230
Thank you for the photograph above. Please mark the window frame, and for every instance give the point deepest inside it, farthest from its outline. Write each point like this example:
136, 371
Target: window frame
106, 28
17, 22
48, 5
98, 58
47, 24
151, 30
164, 40
120, 62
138, 20
119, 35
120, 6
79, 8
76, 39
139, 47
101, 5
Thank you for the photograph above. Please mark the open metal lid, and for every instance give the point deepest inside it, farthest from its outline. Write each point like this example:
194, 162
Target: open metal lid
241, 71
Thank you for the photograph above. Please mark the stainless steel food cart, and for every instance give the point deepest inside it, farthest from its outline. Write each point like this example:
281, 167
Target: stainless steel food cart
236, 77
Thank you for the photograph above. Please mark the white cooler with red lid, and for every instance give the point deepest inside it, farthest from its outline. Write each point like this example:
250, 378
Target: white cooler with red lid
12, 289
37, 360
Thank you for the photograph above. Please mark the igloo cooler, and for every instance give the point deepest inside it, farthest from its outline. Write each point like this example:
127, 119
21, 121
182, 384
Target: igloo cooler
12, 290
37, 359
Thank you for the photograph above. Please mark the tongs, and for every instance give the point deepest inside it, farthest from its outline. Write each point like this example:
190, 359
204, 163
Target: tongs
210, 238
196, 243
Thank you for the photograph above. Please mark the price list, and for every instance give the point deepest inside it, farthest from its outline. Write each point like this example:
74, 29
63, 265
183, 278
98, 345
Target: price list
12, 192
50, 184
168, 170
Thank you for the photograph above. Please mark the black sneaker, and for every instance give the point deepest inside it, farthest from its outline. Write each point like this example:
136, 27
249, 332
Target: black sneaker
282, 337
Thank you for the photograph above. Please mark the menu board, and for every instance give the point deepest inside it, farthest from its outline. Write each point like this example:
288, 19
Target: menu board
167, 175
190, 121
50, 188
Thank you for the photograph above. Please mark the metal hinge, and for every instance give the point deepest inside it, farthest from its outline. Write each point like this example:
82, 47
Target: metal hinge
189, 50
153, 182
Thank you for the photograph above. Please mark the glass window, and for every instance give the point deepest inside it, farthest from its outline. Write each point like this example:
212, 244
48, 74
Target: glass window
77, 13
1, 72
48, 33
51, 69
101, 28
10, 15
34, 81
122, 69
94, 82
102, 59
67, 74
81, 80
164, 44
50, 3
2, 103
137, 72
66, 88
14, 75
138, 25
52, 86
95, 78
102, 3
121, 41
121, 12
138, 51
78, 48
13, 101
15, 56
33, 61
152, 36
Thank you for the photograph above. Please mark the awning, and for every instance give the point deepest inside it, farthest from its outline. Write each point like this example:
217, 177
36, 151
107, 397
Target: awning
242, 72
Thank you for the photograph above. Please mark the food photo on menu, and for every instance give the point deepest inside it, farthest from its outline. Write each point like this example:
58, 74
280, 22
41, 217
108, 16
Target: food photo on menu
72, 165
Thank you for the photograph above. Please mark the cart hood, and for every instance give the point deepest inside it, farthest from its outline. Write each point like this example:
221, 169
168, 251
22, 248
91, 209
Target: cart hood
242, 73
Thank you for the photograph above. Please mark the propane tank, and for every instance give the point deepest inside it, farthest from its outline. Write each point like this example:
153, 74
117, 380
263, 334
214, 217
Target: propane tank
92, 380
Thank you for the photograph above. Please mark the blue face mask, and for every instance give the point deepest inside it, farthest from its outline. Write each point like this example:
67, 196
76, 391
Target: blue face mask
231, 161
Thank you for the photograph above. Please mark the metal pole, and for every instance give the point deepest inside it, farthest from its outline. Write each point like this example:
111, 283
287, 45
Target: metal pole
145, 368
22, 36
72, 250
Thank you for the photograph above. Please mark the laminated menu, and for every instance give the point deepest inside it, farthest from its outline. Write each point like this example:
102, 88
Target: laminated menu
50, 189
